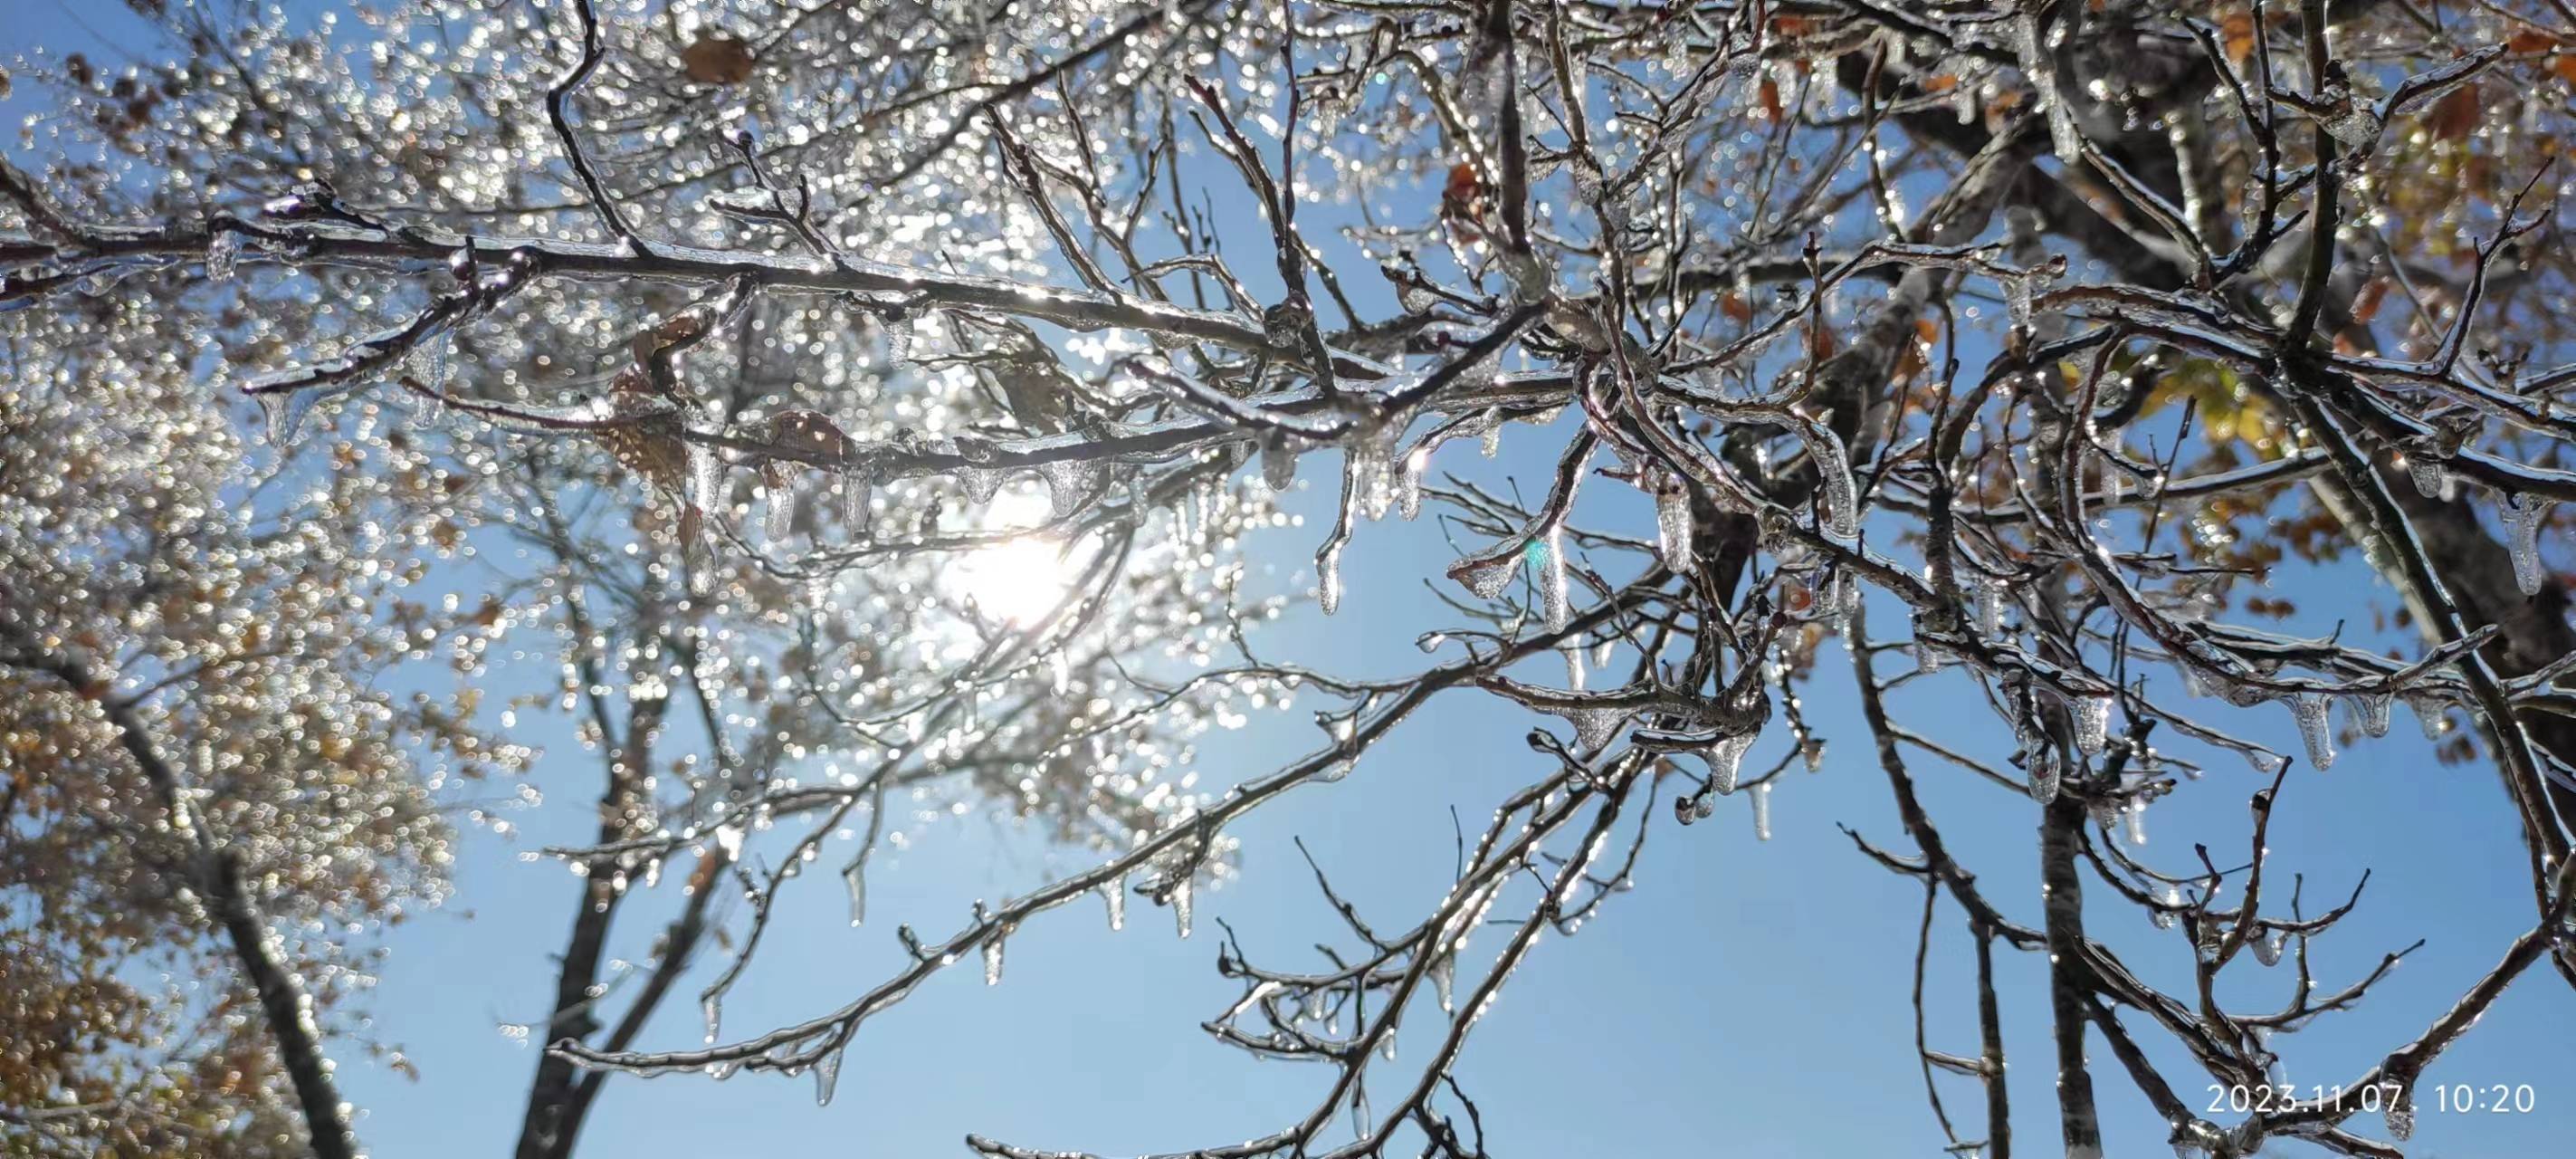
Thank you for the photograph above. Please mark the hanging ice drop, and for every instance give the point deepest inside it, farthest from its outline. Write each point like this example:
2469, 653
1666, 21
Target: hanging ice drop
2523, 515
2092, 723
2310, 709
1113, 893
1762, 811
1181, 906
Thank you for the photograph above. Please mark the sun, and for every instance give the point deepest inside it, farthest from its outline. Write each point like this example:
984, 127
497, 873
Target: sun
1018, 580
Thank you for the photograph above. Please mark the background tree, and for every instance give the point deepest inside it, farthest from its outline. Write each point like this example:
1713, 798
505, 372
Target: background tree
718, 345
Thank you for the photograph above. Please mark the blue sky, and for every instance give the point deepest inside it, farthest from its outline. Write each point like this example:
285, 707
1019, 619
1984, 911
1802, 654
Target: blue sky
1746, 999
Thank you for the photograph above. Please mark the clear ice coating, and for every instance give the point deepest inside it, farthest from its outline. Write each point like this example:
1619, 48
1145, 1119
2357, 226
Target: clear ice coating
827, 1075
1988, 596
1444, 979
712, 1008
1673, 526
2523, 515
1762, 811
777, 513
2043, 774
2314, 731
1836, 488
854, 488
1113, 893
2092, 723
2370, 711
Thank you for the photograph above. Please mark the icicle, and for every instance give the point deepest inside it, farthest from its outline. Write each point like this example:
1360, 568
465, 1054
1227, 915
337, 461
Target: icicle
993, 957
1673, 526
1444, 978
1328, 577
1364, 485
286, 410
1989, 599
223, 251
1181, 906
1071, 484
1604, 651
1113, 893
1812, 751
1574, 670
1929, 655
777, 513
2164, 918
1491, 442
2523, 515
2265, 762
712, 1006
2134, 819
2092, 723
2370, 712
827, 1075
2042, 72
1726, 761
854, 501
1553, 601
2310, 709
1836, 489
1408, 486
854, 876
1762, 811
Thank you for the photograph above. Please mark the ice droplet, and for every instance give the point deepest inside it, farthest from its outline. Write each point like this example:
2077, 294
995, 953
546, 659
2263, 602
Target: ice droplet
2401, 1116
2432, 479
1762, 811
2092, 723
2431, 713
2523, 515
2043, 774
1673, 526
286, 411
2370, 712
2164, 918
712, 1007
1113, 893
993, 957
1594, 724
2267, 948
2310, 709
1071, 484
827, 1075
2265, 762
1554, 603
1181, 900
1278, 463
1444, 978
981, 483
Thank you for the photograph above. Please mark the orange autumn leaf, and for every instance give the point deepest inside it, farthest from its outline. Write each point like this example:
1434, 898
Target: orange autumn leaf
2530, 40
2455, 115
1941, 84
1735, 307
1770, 100
1927, 330
2565, 66
2365, 305
717, 60
2236, 34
